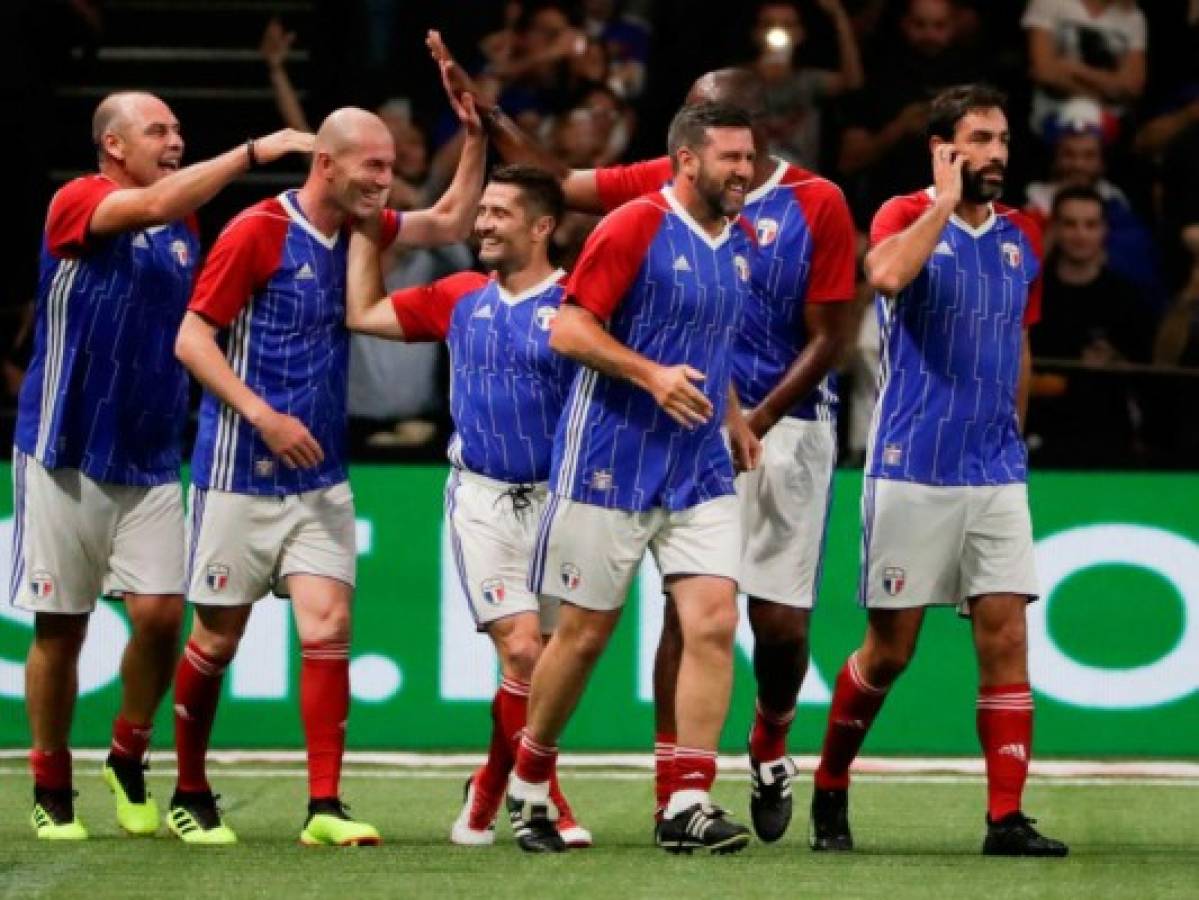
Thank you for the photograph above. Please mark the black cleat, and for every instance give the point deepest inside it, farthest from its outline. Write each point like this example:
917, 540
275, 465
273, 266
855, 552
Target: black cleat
829, 828
1013, 835
770, 797
701, 827
533, 826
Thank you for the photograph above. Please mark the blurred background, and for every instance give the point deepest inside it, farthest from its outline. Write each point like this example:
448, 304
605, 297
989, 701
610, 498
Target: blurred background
1105, 153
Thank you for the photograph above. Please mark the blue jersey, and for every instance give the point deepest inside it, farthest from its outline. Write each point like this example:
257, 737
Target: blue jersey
507, 387
104, 392
951, 351
672, 292
276, 286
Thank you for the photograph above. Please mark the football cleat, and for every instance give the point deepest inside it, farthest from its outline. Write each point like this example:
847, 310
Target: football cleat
475, 825
329, 824
137, 811
54, 818
575, 836
1013, 835
195, 819
533, 825
829, 828
702, 827
770, 796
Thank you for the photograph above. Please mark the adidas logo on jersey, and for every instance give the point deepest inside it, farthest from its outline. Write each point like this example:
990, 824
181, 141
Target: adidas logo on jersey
943, 249
681, 264
305, 272
483, 312
139, 241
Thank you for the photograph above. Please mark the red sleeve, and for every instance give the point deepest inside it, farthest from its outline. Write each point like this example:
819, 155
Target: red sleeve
424, 312
241, 261
834, 241
612, 256
1033, 267
617, 185
389, 227
897, 214
71, 212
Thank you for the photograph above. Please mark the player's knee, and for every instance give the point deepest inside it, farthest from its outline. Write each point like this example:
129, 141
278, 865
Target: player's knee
782, 629
716, 628
1006, 641
586, 640
160, 625
58, 636
518, 655
885, 663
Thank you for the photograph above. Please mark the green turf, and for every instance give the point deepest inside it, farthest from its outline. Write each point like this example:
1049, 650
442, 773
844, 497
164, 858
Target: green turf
915, 840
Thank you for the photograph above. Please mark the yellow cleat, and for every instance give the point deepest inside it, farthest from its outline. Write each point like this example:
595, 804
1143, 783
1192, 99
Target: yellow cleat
136, 817
329, 825
54, 818
195, 819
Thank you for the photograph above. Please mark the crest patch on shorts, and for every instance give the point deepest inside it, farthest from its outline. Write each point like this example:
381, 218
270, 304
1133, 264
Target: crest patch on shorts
493, 591
894, 578
216, 576
571, 576
41, 585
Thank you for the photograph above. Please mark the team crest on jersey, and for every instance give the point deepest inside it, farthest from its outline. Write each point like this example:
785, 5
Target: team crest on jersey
264, 468
546, 315
41, 585
571, 576
601, 480
742, 267
216, 576
179, 251
894, 578
493, 591
1011, 253
768, 230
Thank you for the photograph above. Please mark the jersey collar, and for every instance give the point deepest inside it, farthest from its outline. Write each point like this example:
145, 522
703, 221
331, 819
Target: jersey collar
539, 288
287, 200
770, 183
677, 208
978, 232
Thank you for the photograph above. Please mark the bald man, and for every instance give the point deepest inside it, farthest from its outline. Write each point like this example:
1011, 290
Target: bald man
271, 503
98, 438
791, 335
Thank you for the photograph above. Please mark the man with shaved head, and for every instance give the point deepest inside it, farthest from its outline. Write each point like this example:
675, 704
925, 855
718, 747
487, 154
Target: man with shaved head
271, 503
99, 433
790, 336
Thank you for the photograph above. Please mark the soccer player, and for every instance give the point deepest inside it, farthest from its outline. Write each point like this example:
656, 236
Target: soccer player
945, 505
271, 504
639, 463
793, 331
507, 389
98, 438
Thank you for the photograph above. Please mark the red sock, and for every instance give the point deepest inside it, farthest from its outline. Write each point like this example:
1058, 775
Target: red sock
51, 769
324, 709
694, 769
768, 738
130, 741
509, 710
535, 762
855, 704
664, 747
1005, 732
566, 816
197, 691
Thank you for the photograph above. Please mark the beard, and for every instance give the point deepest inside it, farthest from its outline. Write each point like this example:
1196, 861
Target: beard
713, 193
975, 187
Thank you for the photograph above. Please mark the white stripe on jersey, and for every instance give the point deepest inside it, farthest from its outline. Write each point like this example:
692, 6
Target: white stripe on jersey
884, 373
577, 419
56, 339
225, 445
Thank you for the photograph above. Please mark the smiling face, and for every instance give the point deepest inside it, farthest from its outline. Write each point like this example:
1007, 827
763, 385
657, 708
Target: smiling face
982, 136
359, 171
721, 168
143, 139
508, 231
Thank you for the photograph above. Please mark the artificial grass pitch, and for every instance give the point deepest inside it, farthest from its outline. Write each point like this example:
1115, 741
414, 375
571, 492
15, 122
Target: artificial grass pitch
916, 838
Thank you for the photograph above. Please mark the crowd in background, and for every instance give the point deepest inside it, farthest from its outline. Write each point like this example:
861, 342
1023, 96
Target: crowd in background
1104, 111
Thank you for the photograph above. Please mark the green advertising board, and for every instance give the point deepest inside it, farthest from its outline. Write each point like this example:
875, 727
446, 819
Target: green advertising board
1114, 644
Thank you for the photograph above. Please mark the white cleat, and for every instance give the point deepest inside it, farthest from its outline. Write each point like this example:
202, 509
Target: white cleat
461, 833
575, 836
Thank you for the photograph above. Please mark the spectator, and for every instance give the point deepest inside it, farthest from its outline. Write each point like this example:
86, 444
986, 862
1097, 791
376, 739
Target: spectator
884, 148
1078, 161
1177, 342
537, 72
795, 93
1094, 317
613, 121
1085, 48
625, 40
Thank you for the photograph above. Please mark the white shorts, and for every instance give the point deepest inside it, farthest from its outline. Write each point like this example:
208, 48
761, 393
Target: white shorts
784, 512
75, 538
588, 555
940, 546
492, 532
244, 546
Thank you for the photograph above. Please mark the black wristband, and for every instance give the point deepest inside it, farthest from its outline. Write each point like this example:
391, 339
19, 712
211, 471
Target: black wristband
251, 154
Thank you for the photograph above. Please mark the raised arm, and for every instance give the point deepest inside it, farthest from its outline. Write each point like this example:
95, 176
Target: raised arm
276, 42
183, 192
849, 75
368, 308
895, 261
